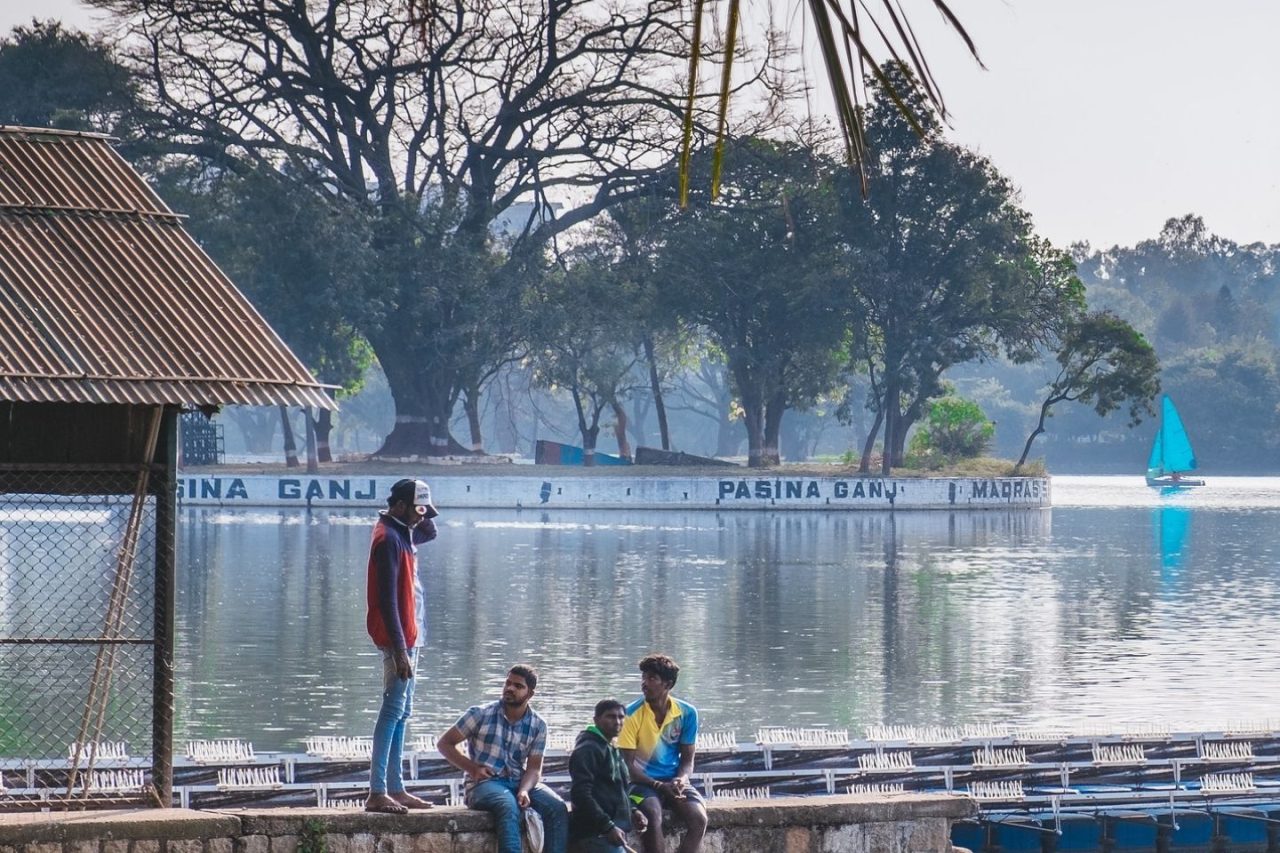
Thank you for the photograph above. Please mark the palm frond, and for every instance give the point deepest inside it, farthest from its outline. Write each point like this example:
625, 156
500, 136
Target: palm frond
848, 58
731, 41
686, 143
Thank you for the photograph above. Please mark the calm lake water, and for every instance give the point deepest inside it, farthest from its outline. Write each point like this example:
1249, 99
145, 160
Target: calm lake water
1118, 605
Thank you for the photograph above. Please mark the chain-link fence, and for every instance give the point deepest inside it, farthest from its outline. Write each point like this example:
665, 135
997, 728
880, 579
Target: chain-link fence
85, 683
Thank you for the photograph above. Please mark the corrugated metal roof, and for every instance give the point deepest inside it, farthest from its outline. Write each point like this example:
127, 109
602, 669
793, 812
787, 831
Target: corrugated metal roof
104, 297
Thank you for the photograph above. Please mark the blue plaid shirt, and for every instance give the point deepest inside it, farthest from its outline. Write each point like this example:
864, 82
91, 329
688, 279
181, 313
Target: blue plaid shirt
502, 746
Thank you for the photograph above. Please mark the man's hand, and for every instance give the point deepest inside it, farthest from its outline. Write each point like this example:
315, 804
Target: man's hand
482, 772
679, 784
639, 822
522, 799
673, 788
404, 670
616, 836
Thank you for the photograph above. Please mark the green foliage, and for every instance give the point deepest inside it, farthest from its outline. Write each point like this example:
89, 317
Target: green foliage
313, 837
1103, 362
302, 258
944, 267
1227, 397
953, 428
54, 77
579, 341
1189, 288
754, 270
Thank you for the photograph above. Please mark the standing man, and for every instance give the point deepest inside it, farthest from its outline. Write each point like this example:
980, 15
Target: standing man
396, 623
658, 739
602, 811
506, 741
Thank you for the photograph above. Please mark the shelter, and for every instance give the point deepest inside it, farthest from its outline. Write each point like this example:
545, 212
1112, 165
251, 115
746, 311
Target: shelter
112, 321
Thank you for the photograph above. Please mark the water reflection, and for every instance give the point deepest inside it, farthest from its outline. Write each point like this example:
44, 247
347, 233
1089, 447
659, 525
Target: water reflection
1171, 526
1073, 616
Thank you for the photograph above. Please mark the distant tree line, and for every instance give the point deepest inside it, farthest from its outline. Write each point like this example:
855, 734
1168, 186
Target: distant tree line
386, 193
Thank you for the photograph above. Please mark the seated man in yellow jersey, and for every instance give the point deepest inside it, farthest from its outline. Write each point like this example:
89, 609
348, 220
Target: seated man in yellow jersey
657, 741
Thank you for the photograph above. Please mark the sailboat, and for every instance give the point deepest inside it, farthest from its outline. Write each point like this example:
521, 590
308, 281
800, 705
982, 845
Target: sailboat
1171, 453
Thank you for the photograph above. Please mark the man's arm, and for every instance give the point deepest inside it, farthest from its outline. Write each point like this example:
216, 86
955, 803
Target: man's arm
636, 766
447, 744
386, 583
532, 773
685, 770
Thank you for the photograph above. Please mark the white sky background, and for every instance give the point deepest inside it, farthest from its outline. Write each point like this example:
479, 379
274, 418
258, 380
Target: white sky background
1111, 115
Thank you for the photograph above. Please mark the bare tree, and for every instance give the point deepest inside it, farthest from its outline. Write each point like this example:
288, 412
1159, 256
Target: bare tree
472, 137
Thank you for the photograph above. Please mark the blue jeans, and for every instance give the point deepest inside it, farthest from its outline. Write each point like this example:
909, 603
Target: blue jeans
386, 766
498, 796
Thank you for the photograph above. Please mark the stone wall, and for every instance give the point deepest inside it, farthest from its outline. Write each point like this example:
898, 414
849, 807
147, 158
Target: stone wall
906, 823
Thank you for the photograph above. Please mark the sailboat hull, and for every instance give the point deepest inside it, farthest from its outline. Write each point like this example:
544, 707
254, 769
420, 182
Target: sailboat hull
1170, 483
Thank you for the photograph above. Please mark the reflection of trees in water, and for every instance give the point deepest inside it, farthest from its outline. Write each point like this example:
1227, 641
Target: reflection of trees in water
798, 618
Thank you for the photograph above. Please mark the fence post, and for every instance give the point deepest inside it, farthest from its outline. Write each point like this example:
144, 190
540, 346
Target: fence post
165, 489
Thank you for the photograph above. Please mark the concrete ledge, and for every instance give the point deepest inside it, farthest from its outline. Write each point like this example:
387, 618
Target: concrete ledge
134, 824
775, 812
443, 819
898, 823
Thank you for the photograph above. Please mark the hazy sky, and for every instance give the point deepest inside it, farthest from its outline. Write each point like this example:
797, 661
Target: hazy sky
1111, 115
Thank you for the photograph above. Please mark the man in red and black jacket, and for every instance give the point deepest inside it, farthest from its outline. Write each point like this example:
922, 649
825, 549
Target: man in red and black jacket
396, 624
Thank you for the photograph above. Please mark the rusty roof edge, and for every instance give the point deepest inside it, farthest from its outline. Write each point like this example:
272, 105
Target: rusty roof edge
104, 377
14, 390
26, 130
20, 209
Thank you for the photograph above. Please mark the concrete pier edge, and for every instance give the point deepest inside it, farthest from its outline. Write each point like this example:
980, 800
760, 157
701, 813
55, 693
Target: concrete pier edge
919, 823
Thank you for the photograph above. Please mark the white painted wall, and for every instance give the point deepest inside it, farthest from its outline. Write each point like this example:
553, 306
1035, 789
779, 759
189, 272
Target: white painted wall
558, 488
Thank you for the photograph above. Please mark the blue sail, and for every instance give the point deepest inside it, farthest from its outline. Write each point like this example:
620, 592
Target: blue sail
1171, 452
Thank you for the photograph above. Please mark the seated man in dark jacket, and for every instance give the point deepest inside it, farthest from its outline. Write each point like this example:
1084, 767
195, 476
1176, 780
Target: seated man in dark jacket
602, 811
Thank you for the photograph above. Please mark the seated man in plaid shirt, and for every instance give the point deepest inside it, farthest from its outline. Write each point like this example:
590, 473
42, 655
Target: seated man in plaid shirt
506, 740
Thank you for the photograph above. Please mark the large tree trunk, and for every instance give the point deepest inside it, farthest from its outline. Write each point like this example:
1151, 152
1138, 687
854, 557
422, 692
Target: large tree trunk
590, 432
424, 405
864, 464
892, 409
471, 405
773, 413
313, 462
901, 426
655, 387
760, 454
324, 429
1026, 448
290, 446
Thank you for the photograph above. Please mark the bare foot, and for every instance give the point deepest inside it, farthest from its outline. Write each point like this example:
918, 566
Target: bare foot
409, 801
383, 804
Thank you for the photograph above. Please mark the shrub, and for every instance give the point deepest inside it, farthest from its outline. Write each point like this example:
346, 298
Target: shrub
954, 428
